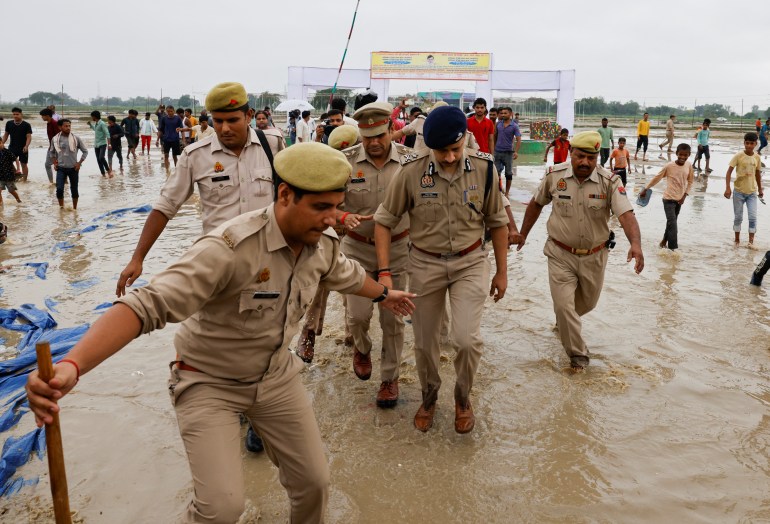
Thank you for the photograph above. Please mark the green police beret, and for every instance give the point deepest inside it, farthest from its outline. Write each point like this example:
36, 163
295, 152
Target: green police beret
313, 167
343, 136
373, 119
588, 141
227, 96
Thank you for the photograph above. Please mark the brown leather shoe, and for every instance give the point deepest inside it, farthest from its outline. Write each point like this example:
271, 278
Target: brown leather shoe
387, 396
423, 419
464, 417
306, 346
362, 364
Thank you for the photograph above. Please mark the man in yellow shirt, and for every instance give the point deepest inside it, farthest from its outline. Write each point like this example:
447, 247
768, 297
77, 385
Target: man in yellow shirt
643, 135
748, 185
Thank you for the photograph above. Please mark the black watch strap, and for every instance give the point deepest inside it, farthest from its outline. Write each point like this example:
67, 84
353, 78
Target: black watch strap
383, 296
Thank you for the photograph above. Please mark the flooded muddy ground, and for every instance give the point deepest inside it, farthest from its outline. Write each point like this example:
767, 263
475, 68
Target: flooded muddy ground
671, 422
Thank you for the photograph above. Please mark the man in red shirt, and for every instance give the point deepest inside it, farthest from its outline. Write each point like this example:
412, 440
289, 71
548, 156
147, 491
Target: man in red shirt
52, 128
560, 148
482, 128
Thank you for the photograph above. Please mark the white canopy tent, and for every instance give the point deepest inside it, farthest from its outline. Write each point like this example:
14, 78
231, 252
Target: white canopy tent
301, 79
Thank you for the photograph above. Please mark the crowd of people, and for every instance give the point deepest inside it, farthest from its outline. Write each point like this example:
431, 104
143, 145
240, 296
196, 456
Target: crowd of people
424, 217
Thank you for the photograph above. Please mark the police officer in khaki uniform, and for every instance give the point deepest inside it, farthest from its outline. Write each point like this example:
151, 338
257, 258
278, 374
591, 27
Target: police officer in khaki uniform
233, 176
232, 173
451, 194
374, 163
341, 137
583, 196
240, 292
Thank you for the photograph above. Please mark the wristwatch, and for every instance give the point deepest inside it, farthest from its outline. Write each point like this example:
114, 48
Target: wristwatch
383, 296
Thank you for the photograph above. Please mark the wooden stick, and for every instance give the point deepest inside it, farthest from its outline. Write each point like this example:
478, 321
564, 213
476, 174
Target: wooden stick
61, 502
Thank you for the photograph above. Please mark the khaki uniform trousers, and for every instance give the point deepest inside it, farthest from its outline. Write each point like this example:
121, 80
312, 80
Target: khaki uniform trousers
467, 281
358, 310
208, 413
669, 139
576, 284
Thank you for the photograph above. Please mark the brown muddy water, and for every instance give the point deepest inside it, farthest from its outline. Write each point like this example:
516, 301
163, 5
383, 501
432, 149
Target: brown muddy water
671, 423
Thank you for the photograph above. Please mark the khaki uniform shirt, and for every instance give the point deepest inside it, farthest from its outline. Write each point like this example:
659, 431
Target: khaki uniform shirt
367, 184
581, 211
447, 211
415, 128
228, 185
240, 293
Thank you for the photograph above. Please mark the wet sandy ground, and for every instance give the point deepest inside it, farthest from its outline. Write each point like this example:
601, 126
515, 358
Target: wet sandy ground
671, 423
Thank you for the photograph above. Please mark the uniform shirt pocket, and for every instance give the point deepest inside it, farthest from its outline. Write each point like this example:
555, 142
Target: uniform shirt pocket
257, 314
564, 209
216, 188
358, 195
598, 208
261, 181
429, 206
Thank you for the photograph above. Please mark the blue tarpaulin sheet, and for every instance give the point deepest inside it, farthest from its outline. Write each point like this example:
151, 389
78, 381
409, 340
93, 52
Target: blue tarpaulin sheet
40, 268
37, 325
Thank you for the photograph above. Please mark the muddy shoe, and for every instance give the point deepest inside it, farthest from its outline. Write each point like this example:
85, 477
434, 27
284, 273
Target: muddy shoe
306, 346
423, 419
578, 363
362, 364
387, 396
465, 420
253, 442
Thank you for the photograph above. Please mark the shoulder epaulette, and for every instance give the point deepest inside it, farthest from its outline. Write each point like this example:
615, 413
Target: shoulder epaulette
606, 173
197, 145
414, 155
485, 156
352, 151
244, 226
403, 150
558, 167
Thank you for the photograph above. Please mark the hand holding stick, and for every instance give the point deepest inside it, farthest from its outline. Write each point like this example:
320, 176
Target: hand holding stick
61, 503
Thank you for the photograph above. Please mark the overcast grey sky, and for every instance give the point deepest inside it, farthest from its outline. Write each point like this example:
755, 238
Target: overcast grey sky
653, 51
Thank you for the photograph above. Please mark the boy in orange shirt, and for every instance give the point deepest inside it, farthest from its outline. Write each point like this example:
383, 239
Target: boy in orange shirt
620, 157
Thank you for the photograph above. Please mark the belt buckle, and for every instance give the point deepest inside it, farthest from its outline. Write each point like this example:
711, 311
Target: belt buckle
581, 252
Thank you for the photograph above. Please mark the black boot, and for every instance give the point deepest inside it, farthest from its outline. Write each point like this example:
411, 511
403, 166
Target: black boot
759, 272
253, 442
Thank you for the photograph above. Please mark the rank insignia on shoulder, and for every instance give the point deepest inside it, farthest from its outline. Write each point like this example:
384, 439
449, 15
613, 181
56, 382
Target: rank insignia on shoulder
263, 276
427, 180
485, 156
409, 157
228, 240
218, 168
561, 185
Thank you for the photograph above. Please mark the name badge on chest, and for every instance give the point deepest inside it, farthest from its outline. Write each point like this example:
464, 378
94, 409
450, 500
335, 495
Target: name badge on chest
429, 195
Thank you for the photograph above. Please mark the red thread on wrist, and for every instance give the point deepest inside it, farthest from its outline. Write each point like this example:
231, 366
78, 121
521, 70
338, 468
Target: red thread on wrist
77, 368
385, 274
344, 216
